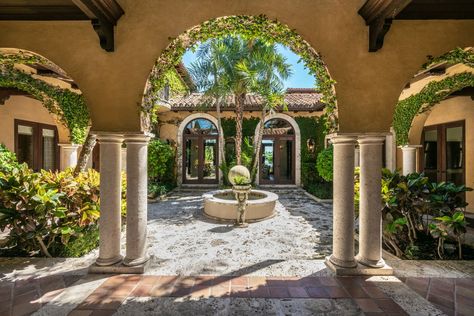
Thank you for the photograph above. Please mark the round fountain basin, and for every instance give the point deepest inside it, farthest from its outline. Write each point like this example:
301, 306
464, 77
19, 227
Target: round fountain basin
222, 205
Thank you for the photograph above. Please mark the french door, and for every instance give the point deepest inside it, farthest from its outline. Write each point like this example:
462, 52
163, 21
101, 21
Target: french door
36, 144
277, 160
443, 156
200, 159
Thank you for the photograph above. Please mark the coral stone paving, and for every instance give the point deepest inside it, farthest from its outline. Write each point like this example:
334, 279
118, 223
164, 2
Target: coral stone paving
186, 242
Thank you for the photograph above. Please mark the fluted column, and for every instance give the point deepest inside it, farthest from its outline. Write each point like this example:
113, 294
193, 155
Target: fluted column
110, 198
370, 202
137, 149
409, 159
343, 202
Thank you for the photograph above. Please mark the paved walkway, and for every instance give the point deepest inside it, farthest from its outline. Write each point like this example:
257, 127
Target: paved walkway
200, 267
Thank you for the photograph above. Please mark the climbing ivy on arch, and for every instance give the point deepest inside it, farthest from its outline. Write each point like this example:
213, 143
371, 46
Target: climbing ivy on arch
68, 106
250, 27
434, 92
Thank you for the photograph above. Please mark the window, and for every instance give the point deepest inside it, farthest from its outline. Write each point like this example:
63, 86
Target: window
36, 144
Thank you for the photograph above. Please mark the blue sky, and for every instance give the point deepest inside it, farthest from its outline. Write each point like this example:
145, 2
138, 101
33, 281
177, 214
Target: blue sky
300, 78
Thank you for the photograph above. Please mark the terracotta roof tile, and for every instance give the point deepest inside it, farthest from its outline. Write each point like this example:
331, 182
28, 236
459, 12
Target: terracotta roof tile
308, 100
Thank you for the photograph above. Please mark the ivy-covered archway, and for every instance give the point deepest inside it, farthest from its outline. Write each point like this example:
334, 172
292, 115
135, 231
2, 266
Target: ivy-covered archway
68, 106
248, 26
433, 93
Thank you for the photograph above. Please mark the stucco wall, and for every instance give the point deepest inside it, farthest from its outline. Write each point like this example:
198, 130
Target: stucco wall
28, 109
368, 84
453, 109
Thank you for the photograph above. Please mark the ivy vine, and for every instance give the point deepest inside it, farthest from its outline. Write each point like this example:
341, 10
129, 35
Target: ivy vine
68, 106
456, 56
246, 26
431, 94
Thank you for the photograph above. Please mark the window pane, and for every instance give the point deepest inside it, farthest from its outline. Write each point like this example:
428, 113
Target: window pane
277, 127
49, 149
454, 155
200, 127
210, 158
430, 146
25, 148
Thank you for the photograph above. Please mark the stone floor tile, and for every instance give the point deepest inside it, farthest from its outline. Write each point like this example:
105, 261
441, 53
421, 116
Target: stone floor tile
80, 312
297, 292
367, 305
447, 311
441, 300
103, 312
317, 292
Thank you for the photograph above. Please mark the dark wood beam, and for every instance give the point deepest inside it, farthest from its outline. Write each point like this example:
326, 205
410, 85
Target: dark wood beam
104, 15
41, 13
378, 15
438, 10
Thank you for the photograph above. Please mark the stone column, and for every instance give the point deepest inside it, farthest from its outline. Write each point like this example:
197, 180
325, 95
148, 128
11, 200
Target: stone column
370, 202
110, 198
137, 183
343, 202
357, 157
68, 154
409, 159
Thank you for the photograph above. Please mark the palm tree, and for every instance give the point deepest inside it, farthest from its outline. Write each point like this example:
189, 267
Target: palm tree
234, 66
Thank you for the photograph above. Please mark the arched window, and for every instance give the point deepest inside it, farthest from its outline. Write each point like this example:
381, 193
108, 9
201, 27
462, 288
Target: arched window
200, 126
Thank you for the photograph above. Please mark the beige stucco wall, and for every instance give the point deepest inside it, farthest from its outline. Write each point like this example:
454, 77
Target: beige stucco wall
28, 109
368, 84
456, 108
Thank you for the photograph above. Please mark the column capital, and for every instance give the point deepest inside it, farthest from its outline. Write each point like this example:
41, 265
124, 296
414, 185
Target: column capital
137, 138
371, 139
69, 145
109, 137
343, 139
409, 147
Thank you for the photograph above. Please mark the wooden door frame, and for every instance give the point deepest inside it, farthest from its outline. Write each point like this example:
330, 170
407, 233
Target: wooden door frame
201, 139
37, 142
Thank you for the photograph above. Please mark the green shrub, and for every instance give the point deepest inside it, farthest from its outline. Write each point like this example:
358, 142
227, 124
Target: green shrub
161, 160
324, 163
322, 190
8, 159
50, 213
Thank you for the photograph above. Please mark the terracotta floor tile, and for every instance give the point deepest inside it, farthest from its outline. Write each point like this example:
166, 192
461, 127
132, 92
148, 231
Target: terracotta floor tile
142, 290
465, 292
26, 298
279, 292
317, 292
297, 292
367, 305
161, 290
256, 281
374, 292
261, 291
180, 291
220, 291
103, 312
47, 297
201, 292
239, 291
240, 281
447, 311
80, 312
349, 281
465, 282
327, 281
464, 309
150, 279
441, 300
276, 282
389, 306
337, 292
357, 292
101, 302
310, 282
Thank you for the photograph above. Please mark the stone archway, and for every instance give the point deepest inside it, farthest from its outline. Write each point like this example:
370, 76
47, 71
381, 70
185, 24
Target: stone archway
297, 132
179, 142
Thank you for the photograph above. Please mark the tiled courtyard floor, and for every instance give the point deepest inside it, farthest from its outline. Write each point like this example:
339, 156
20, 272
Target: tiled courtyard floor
200, 267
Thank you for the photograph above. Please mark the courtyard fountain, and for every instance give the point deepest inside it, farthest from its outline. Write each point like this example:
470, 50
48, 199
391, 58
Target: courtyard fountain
241, 204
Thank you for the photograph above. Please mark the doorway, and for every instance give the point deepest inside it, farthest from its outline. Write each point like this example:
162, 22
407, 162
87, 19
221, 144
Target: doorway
277, 158
443, 156
200, 148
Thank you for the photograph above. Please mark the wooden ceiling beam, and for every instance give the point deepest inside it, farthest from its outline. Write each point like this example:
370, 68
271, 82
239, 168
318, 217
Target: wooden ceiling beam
378, 15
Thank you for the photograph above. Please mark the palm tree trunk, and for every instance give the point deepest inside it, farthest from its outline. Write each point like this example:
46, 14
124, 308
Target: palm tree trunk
86, 151
220, 138
258, 144
239, 109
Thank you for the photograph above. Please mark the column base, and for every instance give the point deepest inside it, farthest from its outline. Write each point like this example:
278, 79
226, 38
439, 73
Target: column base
108, 261
370, 263
120, 268
360, 269
341, 263
135, 262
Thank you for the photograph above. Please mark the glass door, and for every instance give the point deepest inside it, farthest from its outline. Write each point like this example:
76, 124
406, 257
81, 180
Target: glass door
443, 152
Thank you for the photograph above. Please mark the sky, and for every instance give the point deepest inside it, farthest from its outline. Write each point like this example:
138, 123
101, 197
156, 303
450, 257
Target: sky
299, 79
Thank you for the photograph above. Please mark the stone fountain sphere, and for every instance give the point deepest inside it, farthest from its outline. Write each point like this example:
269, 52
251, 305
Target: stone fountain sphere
238, 171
